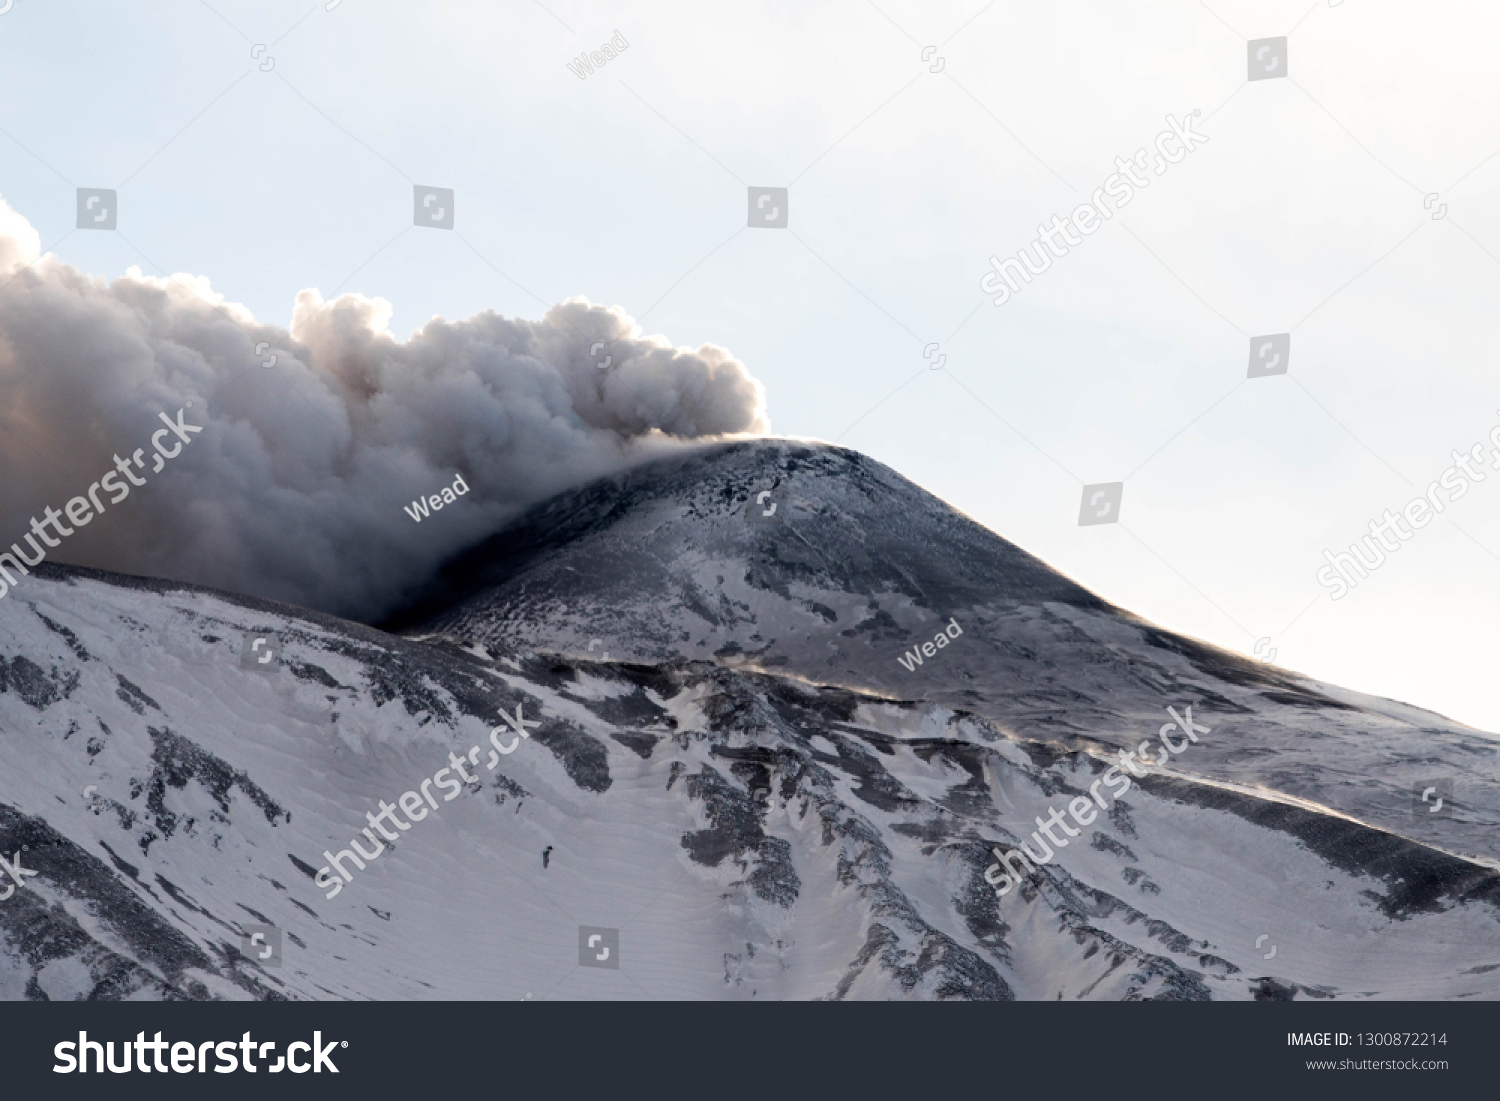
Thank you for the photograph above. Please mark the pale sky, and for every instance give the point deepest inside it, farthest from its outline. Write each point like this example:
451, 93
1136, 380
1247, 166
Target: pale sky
1125, 361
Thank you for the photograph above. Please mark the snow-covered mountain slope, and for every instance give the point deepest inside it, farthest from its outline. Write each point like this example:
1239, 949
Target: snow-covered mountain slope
857, 566
746, 819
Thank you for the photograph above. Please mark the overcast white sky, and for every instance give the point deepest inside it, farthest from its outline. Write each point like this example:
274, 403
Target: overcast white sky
1124, 362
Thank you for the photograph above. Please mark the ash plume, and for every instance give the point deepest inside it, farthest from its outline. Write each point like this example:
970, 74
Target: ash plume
295, 488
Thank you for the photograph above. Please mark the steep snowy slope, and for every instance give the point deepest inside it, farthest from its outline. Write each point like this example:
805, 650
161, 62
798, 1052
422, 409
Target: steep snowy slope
857, 566
746, 835
740, 819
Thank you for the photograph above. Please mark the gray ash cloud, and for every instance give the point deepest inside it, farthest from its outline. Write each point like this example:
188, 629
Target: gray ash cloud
294, 490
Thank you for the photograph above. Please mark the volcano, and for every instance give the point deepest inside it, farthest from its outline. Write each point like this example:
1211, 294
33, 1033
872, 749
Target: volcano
746, 768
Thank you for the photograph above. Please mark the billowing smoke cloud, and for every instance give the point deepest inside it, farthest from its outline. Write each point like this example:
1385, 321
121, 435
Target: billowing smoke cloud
295, 488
